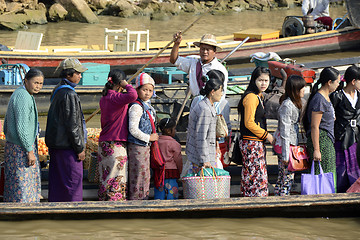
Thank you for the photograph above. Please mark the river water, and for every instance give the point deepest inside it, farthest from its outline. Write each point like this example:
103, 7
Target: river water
73, 33
70, 33
215, 228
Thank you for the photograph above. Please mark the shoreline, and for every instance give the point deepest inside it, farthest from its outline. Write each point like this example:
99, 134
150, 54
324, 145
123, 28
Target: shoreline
17, 16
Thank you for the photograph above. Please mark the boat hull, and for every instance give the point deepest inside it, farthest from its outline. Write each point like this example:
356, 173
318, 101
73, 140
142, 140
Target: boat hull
343, 39
327, 205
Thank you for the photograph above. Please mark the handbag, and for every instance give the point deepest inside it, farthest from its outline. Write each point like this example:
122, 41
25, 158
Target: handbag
355, 187
207, 187
221, 126
299, 158
317, 184
235, 154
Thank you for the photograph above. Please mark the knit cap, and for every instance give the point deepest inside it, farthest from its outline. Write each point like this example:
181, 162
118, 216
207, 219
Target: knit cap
143, 79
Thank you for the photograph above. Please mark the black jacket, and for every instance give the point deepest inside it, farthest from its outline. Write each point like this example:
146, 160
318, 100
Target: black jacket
344, 112
65, 128
260, 120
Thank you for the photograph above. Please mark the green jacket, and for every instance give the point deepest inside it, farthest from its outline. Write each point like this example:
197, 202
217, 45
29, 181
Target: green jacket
21, 119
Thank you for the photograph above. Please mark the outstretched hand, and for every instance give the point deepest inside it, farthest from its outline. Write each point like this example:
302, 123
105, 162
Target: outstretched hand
177, 37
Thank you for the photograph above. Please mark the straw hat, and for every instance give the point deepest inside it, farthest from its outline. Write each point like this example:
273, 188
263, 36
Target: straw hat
208, 39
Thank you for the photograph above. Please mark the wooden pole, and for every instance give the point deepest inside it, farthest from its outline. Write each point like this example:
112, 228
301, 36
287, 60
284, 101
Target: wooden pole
161, 51
188, 89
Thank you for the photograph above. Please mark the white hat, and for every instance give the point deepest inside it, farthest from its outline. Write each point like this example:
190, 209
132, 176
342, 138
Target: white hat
143, 79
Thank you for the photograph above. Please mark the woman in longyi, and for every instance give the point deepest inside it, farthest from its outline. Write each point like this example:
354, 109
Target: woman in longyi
201, 135
112, 154
22, 171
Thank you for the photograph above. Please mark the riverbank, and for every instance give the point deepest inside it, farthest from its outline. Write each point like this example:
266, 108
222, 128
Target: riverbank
15, 15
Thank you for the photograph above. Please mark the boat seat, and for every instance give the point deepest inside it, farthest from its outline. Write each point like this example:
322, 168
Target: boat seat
28, 42
122, 39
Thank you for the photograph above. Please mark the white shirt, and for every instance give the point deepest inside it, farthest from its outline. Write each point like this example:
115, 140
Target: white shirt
353, 101
188, 65
135, 113
321, 8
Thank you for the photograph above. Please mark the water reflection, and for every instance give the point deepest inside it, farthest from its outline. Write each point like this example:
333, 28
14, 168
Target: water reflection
253, 228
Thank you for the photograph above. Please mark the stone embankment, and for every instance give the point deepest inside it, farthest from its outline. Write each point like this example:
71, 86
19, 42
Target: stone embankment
17, 14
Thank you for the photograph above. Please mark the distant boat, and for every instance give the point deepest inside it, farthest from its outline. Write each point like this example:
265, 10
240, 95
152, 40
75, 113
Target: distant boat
169, 95
47, 60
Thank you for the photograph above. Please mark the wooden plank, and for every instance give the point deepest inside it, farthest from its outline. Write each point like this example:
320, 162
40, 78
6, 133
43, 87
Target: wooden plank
257, 33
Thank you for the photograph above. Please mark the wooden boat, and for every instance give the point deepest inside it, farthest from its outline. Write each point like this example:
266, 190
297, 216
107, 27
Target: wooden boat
327, 205
47, 61
170, 96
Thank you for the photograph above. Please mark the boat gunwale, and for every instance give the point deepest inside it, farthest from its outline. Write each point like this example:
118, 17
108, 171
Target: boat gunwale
185, 51
181, 205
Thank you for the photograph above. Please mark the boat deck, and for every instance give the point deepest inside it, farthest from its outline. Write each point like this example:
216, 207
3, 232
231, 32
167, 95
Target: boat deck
327, 205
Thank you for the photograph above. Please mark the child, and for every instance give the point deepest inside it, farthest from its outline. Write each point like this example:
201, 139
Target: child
171, 152
140, 138
289, 116
112, 157
319, 120
346, 103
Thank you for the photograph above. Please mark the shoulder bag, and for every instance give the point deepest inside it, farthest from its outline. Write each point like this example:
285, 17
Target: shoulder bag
157, 162
235, 155
299, 158
221, 126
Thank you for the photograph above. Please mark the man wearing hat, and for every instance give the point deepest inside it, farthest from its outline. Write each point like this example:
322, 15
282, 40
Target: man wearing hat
66, 136
198, 67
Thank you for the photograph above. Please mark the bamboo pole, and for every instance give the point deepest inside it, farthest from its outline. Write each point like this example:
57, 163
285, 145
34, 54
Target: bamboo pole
161, 51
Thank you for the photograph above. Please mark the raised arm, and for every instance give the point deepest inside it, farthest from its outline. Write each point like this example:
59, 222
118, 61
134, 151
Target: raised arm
175, 49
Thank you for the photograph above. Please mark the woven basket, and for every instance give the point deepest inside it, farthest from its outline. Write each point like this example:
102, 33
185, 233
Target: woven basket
91, 146
206, 187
